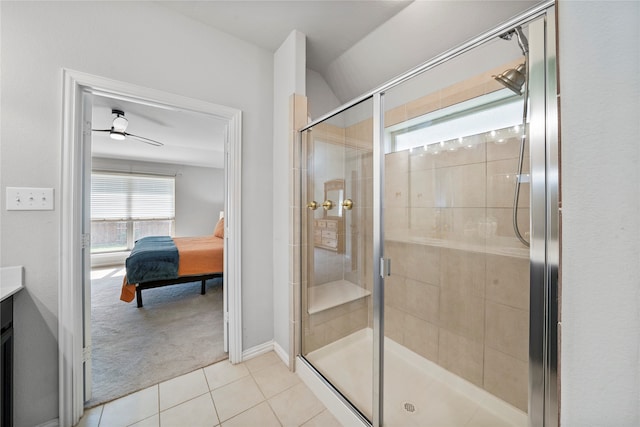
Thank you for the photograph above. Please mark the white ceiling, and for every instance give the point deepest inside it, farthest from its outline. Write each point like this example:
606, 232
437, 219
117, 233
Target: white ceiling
333, 30
331, 26
189, 138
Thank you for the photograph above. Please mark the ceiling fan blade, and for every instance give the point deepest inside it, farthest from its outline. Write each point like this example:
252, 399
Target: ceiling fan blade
143, 139
101, 130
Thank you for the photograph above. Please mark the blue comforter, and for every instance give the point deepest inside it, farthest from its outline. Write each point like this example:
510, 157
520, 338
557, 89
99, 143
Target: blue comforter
152, 258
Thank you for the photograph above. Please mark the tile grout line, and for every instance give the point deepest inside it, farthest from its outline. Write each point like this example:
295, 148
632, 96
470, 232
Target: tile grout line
215, 408
100, 417
274, 412
210, 391
190, 399
268, 400
229, 383
265, 398
236, 380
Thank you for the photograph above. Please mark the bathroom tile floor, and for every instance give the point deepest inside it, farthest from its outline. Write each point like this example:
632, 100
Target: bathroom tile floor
259, 392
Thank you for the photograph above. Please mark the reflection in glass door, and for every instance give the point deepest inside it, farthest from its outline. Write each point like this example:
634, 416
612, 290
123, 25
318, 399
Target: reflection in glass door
336, 298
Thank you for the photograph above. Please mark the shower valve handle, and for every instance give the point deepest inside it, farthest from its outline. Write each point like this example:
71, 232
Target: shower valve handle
327, 205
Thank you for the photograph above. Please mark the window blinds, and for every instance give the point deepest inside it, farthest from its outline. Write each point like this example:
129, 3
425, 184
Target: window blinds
131, 197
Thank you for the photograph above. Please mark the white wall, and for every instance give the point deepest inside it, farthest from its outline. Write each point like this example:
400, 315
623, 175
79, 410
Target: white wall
140, 43
289, 78
600, 108
199, 200
416, 34
199, 191
321, 98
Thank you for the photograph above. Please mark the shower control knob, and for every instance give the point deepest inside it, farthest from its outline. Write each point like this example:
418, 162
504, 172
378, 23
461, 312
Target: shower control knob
327, 205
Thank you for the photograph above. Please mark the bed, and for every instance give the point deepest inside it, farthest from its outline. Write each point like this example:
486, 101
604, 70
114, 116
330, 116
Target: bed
157, 261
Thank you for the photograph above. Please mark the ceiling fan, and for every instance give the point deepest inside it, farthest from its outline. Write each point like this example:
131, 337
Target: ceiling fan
119, 127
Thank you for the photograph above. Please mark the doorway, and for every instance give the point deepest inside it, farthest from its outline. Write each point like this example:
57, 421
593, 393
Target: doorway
75, 237
140, 189
442, 309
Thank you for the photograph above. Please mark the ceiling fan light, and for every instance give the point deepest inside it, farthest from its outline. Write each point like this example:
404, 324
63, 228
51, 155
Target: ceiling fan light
120, 122
118, 136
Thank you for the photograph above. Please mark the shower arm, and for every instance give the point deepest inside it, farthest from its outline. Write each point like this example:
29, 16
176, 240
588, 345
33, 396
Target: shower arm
522, 41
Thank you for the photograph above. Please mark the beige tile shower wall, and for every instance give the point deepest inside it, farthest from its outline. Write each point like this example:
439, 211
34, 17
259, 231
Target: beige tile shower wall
468, 313
330, 325
456, 301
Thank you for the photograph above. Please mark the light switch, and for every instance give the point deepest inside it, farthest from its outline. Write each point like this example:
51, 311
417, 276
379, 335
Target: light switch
29, 199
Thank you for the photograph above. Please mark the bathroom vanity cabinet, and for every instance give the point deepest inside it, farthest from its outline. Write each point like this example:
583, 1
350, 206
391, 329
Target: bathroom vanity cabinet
11, 282
6, 364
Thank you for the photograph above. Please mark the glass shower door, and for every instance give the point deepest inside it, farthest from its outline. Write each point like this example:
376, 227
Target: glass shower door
337, 234
456, 306
430, 239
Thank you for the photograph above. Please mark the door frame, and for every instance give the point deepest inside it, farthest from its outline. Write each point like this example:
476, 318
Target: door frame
72, 192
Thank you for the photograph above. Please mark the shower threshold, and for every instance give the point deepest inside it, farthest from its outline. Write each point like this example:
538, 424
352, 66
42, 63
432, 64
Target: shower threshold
417, 392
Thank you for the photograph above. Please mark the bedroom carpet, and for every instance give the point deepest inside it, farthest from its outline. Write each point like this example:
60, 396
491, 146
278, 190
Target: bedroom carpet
177, 331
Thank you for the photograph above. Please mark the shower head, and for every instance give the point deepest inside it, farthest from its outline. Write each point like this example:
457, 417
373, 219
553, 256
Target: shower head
513, 78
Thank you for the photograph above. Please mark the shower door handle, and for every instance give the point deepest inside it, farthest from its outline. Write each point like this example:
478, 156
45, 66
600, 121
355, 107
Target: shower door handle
385, 267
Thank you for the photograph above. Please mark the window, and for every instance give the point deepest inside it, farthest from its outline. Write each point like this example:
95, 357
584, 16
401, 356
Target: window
125, 208
458, 125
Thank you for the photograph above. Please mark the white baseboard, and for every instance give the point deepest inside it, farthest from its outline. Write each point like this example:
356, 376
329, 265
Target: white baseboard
50, 423
257, 350
281, 353
266, 347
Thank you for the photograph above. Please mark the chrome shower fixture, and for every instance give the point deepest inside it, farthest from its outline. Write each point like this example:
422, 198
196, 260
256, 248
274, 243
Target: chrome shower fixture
513, 78
522, 39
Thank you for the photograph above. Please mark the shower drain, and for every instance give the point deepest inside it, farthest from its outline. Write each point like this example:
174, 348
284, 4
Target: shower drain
409, 407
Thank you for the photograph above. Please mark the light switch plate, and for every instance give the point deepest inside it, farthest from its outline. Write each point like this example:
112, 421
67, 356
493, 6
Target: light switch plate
29, 199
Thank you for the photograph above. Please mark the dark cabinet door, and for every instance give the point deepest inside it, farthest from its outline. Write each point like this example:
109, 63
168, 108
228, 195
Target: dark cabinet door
6, 365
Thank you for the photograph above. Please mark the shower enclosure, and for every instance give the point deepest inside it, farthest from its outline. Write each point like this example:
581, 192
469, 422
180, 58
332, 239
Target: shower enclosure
429, 239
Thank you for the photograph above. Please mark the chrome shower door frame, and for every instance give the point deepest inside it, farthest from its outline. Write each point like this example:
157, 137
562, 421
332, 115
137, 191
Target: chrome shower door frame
545, 238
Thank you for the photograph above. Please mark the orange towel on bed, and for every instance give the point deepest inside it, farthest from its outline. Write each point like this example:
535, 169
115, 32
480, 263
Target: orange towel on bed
197, 255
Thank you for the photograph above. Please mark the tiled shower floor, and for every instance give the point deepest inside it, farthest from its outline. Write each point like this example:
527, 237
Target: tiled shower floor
417, 392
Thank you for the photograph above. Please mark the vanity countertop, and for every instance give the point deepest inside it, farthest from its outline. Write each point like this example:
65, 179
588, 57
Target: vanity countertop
10, 281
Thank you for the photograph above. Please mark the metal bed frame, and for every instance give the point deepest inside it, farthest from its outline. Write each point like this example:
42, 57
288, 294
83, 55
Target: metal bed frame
166, 282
